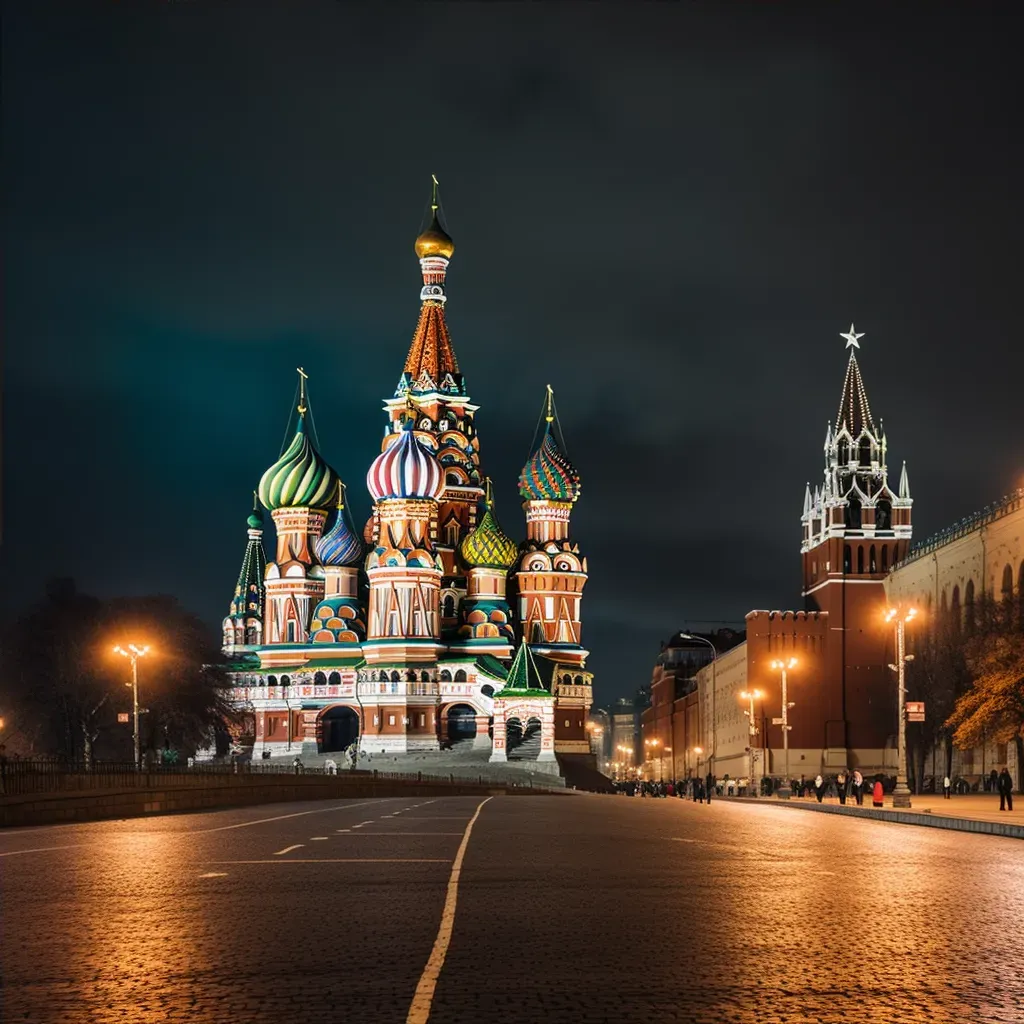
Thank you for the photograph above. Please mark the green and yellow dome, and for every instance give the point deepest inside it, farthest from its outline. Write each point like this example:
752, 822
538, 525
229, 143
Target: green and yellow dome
300, 478
488, 547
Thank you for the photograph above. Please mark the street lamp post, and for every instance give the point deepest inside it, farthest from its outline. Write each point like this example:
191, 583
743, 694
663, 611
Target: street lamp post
698, 751
133, 653
750, 696
714, 674
785, 790
901, 794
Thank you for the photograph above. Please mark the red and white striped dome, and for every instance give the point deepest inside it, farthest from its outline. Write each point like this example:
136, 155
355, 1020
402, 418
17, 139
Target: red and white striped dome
405, 470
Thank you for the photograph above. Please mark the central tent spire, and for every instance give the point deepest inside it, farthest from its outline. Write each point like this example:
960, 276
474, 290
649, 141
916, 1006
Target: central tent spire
431, 364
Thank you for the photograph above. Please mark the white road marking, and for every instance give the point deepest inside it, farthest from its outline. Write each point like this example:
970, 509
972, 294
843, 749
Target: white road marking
386, 835
42, 849
318, 839
419, 1010
287, 849
215, 874
343, 830
297, 814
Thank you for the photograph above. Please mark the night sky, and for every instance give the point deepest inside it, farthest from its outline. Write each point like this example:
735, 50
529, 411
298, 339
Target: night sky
668, 212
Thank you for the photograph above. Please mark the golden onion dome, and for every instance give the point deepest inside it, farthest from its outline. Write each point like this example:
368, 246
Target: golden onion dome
435, 241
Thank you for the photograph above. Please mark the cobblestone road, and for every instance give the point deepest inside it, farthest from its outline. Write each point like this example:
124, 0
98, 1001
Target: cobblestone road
570, 909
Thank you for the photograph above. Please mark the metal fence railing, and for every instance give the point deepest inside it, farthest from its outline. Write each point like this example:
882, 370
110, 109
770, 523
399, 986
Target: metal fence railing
20, 776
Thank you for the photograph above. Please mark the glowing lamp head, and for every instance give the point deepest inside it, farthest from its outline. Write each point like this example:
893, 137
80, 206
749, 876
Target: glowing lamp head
698, 750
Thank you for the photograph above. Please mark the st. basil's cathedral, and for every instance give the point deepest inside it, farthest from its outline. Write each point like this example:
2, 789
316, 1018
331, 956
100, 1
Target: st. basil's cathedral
432, 624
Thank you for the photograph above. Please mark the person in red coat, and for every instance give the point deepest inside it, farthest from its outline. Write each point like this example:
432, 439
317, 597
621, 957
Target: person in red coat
877, 793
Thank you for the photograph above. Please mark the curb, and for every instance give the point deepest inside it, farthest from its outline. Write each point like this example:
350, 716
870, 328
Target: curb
993, 828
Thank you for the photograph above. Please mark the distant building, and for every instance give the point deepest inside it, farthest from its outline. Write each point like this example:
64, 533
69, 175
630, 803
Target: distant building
857, 558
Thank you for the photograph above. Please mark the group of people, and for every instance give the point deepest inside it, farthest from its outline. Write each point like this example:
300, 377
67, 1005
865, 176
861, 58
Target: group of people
698, 790
843, 785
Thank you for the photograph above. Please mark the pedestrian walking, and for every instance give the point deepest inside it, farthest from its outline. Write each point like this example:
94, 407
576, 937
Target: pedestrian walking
1005, 784
993, 781
878, 794
858, 788
841, 784
710, 784
947, 788
819, 788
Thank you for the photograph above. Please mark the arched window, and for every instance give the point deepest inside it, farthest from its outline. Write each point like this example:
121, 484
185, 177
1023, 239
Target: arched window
969, 606
871, 560
251, 636
319, 679
847, 559
843, 452
865, 451
883, 515
860, 559
1007, 584
395, 677
271, 680
460, 676
853, 517
448, 605
410, 675
334, 679
487, 690
286, 680
885, 558
424, 677
954, 610
446, 676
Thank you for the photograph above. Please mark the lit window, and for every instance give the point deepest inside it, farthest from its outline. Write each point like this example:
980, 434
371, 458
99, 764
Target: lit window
391, 719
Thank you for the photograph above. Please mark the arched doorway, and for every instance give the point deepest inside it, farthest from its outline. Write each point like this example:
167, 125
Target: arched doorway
461, 723
339, 729
513, 733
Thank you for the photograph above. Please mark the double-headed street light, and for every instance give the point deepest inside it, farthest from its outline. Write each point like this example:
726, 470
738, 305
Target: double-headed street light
901, 794
750, 696
133, 653
785, 790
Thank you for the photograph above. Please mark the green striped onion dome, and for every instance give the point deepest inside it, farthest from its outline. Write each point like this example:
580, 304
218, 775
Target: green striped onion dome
300, 478
488, 546
548, 474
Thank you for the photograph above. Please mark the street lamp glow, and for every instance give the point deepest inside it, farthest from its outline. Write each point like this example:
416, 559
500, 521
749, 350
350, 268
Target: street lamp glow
783, 667
901, 794
133, 653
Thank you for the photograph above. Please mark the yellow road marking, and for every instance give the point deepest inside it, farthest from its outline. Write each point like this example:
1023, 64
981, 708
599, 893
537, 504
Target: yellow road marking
343, 860
419, 1011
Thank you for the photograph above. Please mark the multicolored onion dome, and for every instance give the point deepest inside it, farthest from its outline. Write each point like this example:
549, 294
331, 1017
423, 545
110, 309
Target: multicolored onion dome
300, 478
405, 470
340, 545
488, 547
549, 475
435, 241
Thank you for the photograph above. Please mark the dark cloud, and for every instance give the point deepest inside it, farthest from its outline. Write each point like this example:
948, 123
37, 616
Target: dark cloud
668, 212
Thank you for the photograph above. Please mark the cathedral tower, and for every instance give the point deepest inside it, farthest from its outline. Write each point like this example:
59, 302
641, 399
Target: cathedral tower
298, 489
433, 391
243, 627
404, 621
485, 619
550, 577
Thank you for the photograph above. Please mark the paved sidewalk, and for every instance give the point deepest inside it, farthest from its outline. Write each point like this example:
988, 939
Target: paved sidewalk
970, 813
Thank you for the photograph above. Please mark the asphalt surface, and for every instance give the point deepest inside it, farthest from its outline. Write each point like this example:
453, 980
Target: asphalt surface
569, 909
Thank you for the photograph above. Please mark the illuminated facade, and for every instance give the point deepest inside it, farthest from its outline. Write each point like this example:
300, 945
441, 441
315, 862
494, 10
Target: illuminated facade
431, 625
